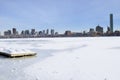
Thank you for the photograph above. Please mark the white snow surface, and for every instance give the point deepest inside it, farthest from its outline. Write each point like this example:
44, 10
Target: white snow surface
95, 58
84, 58
16, 51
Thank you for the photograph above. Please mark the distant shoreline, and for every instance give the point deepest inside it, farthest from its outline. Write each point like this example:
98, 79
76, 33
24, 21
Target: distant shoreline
59, 37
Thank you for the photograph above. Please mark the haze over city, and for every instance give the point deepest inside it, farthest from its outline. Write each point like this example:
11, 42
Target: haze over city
61, 15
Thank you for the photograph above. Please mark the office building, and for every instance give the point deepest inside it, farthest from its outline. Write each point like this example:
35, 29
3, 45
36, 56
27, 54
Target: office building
32, 31
68, 33
43, 33
9, 32
108, 29
111, 23
52, 32
91, 32
40, 33
5, 33
47, 32
27, 32
56, 33
14, 31
99, 30
22, 32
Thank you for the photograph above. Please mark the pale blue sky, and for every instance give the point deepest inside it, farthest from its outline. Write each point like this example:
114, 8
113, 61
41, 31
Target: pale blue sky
61, 15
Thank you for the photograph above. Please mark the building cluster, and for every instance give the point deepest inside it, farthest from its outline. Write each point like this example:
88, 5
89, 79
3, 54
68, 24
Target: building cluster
98, 31
29, 33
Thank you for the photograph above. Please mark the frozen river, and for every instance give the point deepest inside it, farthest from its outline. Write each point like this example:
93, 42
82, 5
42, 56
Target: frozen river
91, 58
12, 68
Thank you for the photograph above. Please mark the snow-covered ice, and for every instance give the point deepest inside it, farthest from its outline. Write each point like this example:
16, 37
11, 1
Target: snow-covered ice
87, 58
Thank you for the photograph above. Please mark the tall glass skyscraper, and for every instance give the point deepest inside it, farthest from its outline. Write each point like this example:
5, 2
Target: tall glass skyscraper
111, 23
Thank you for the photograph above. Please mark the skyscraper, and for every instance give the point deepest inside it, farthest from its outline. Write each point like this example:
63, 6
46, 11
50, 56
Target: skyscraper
43, 33
99, 30
32, 31
111, 23
52, 32
27, 32
9, 32
14, 31
47, 31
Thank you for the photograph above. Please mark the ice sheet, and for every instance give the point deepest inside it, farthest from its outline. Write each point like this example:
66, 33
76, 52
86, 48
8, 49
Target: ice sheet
90, 58
98, 60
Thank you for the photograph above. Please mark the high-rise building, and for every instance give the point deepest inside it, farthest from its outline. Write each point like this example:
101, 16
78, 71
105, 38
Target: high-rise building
40, 33
22, 32
108, 28
99, 30
9, 32
14, 31
32, 31
52, 32
27, 32
47, 31
111, 23
6, 33
108, 31
91, 30
43, 33
68, 33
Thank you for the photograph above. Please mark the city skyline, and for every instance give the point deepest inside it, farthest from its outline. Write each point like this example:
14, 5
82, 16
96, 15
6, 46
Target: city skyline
75, 15
93, 32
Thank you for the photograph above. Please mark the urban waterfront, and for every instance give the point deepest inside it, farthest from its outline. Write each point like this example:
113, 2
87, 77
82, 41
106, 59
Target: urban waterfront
98, 31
